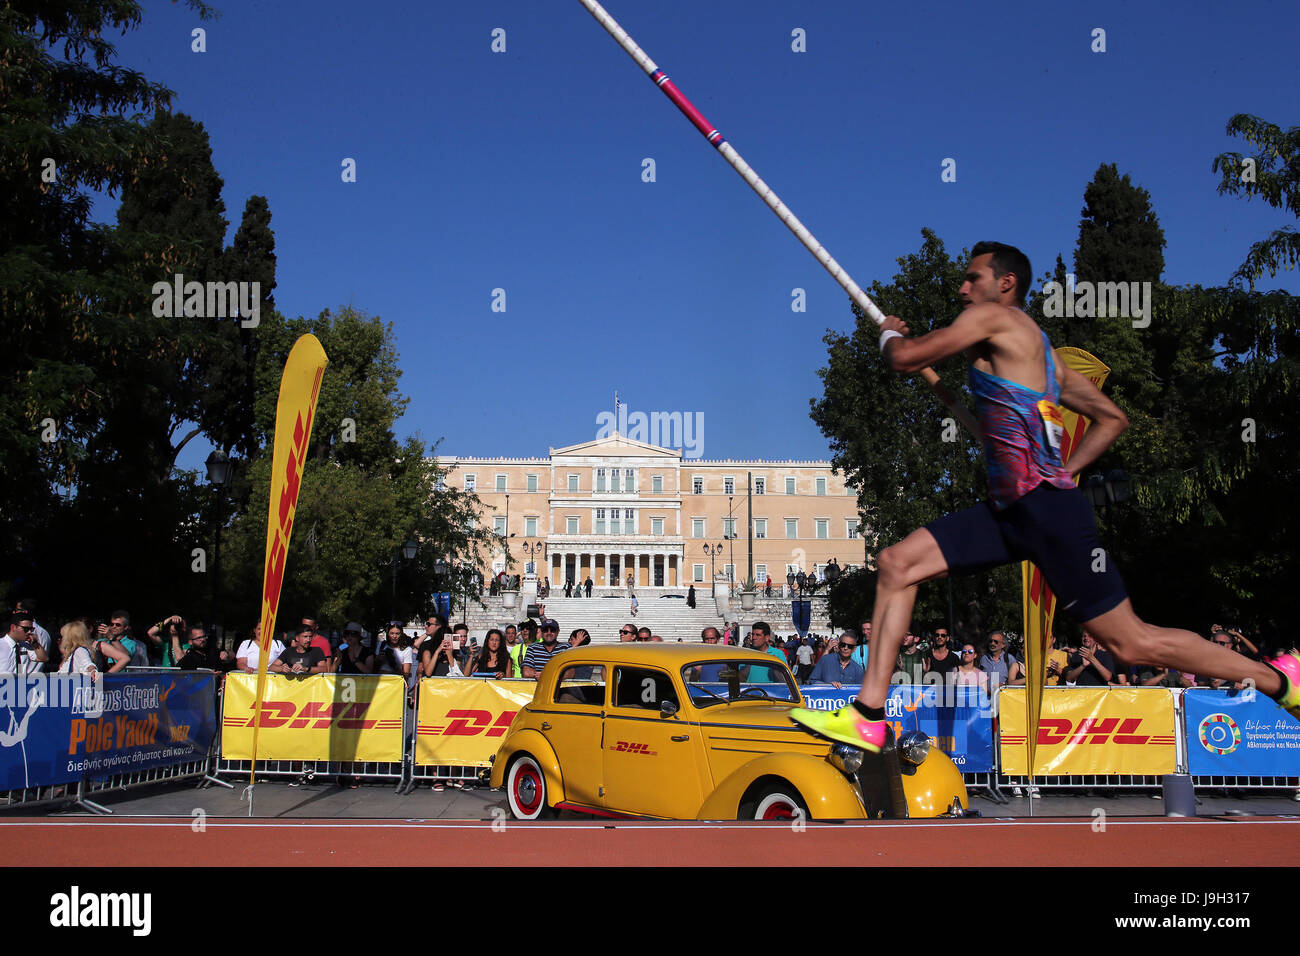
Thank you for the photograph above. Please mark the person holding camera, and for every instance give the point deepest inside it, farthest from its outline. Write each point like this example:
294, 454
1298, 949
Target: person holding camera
164, 638
114, 643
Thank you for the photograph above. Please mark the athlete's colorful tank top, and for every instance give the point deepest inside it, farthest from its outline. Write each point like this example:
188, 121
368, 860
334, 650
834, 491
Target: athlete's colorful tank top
1022, 433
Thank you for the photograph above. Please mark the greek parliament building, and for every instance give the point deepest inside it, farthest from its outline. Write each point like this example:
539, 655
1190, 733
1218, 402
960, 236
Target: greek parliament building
614, 506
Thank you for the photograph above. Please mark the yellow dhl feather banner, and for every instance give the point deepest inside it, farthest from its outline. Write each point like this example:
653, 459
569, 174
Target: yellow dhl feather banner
461, 722
1039, 601
1090, 730
294, 413
321, 717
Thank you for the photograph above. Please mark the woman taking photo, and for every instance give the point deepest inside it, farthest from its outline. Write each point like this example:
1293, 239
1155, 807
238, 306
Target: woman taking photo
493, 659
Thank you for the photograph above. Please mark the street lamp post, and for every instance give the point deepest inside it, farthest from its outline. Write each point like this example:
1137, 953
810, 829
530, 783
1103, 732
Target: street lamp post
731, 536
218, 465
713, 556
1104, 492
406, 551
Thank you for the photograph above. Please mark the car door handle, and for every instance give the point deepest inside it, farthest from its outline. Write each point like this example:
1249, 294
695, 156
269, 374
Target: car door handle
545, 725
682, 737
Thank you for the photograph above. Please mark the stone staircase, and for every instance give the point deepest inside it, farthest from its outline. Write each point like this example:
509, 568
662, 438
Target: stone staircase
669, 617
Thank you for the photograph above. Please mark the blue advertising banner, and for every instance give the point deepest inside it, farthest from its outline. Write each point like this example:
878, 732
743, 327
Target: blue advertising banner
1239, 735
960, 719
63, 728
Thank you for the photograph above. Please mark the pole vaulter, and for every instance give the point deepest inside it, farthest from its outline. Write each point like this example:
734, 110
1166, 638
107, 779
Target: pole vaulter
860, 298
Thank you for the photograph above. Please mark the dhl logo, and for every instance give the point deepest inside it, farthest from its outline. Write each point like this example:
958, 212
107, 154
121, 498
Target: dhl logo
1091, 730
470, 723
626, 746
317, 714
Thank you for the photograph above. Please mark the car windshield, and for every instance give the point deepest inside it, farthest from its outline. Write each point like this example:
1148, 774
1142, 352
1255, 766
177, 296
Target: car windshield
726, 682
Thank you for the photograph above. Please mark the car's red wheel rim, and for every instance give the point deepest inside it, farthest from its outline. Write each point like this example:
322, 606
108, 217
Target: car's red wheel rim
778, 806
528, 789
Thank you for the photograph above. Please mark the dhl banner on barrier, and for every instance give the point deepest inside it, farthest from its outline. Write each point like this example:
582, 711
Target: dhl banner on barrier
321, 717
1091, 730
461, 722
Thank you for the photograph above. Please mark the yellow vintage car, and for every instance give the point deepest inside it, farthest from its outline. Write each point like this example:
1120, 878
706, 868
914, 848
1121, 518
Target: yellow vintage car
700, 732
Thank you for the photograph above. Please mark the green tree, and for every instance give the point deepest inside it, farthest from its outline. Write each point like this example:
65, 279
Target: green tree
1272, 174
363, 493
67, 303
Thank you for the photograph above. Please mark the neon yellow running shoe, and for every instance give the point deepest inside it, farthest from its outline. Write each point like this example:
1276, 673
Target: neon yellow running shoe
845, 726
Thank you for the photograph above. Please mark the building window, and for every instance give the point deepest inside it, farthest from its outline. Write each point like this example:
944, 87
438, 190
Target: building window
729, 571
600, 521
792, 527
532, 483
850, 528
571, 525
728, 486
471, 523
530, 527
760, 527
760, 574
789, 485
697, 485
613, 479
821, 486
697, 572
629, 480
440, 484
728, 527
613, 521
656, 526
629, 521
600, 479
499, 526
470, 481
823, 528
501, 482
697, 527
657, 484
573, 484
760, 486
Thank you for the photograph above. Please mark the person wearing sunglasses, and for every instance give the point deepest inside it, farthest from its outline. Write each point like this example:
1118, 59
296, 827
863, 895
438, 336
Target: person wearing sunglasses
839, 668
18, 649
543, 651
627, 633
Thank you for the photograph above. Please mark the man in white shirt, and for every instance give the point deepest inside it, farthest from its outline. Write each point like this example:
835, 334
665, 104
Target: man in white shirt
18, 645
42, 636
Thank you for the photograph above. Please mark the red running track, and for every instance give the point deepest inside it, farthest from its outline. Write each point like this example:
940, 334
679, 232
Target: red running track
161, 841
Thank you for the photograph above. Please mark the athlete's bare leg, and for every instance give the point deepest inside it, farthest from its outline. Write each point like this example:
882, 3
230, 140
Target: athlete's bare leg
900, 568
1130, 638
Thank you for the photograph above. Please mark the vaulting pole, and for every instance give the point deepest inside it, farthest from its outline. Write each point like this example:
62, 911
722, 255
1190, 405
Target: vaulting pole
765, 192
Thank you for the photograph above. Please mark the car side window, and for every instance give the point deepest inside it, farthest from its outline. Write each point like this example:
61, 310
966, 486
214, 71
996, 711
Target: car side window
581, 684
643, 688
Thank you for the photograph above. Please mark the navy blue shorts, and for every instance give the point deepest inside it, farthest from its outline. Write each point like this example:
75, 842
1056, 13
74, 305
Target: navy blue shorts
1052, 527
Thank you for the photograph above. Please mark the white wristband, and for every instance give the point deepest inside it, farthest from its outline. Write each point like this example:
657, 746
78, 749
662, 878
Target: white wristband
886, 336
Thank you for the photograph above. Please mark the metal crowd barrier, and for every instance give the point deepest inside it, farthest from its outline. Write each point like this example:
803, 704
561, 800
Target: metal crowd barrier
362, 770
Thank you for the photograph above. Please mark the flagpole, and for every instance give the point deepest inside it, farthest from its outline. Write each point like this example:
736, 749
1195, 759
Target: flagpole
820, 253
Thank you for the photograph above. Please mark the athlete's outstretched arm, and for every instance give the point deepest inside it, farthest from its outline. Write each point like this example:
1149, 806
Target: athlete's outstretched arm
1108, 419
912, 355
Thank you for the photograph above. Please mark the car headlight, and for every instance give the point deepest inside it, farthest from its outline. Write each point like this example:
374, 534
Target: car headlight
847, 760
913, 747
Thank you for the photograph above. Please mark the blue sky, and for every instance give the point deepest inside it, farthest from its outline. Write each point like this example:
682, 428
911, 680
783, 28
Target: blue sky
522, 171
